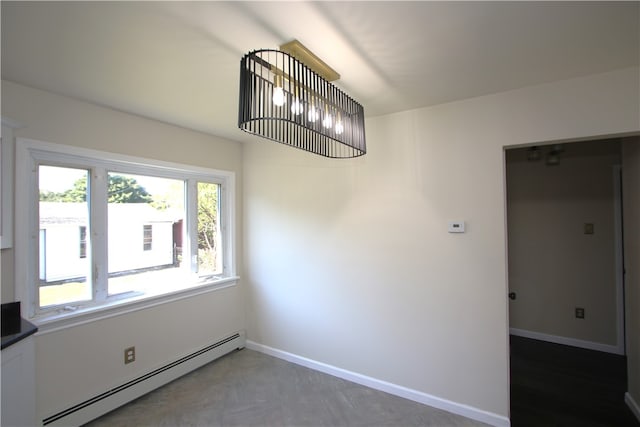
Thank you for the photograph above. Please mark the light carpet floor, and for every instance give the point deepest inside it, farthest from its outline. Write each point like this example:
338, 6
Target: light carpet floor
248, 388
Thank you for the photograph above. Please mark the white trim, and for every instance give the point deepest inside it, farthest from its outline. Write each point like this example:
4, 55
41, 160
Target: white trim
632, 404
506, 302
144, 165
618, 258
29, 152
574, 342
7, 160
7, 149
394, 389
59, 322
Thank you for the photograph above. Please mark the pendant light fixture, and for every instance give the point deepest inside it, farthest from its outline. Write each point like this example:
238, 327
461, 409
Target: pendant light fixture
286, 96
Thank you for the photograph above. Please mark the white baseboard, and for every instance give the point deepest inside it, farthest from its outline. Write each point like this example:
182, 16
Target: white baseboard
632, 404
590, 345
397, 390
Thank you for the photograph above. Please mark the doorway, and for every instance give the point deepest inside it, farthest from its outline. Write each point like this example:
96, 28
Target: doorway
565, 244
564, 226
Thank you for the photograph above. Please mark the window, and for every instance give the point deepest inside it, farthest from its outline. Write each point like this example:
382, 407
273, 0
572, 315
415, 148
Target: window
114, 229
147, 237
62, 210
83, 241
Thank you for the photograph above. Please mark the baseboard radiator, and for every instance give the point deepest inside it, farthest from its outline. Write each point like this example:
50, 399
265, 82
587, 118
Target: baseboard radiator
99, 405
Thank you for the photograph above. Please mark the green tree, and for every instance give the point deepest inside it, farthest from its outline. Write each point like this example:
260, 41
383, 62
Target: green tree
121, 189
207, 226
127, 190
49, 196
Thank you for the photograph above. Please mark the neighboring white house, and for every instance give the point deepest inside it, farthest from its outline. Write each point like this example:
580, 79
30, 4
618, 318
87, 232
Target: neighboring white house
140, 237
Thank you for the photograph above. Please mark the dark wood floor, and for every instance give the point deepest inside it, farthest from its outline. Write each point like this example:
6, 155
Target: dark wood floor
558, 385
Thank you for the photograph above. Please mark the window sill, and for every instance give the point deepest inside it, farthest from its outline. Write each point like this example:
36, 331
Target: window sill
52, 322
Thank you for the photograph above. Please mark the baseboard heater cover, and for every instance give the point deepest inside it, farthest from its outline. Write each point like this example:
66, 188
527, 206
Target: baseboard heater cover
105, 402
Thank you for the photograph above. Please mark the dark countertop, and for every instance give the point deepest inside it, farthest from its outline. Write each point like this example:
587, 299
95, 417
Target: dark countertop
26, 329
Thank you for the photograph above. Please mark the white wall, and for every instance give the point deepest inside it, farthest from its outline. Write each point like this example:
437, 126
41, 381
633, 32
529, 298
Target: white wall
554, 266
76, 363
631, 209
349, 262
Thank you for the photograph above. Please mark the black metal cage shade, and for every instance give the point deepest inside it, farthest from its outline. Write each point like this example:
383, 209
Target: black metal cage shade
284, 100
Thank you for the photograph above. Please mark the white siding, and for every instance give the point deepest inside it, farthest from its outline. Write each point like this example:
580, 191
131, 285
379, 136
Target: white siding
62, 253
126, 248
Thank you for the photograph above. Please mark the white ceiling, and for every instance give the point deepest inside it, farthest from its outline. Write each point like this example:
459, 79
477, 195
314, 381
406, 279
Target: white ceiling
178, 62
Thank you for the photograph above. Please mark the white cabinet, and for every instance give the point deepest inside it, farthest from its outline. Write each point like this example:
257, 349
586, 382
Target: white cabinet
19, 384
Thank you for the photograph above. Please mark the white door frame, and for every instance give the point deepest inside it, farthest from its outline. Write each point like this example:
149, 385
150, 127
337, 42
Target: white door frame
619, 258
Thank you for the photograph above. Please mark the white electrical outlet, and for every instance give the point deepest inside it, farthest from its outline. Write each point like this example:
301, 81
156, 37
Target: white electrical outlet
129, 355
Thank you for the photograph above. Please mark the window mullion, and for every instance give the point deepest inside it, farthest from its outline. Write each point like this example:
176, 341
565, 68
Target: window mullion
98, 196
222, 229
191, 207
227, 221
33, 241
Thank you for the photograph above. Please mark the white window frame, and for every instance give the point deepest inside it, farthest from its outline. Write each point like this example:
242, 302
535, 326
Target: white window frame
31, 153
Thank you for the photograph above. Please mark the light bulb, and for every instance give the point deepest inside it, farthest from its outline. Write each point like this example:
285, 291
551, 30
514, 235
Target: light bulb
328, 121
296, 107
339, 128
278, 96
313, 114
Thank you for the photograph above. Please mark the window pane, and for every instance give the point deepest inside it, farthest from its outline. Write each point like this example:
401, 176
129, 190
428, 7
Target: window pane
147, 237
209, 248
145, 220
63, 245
83, 241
